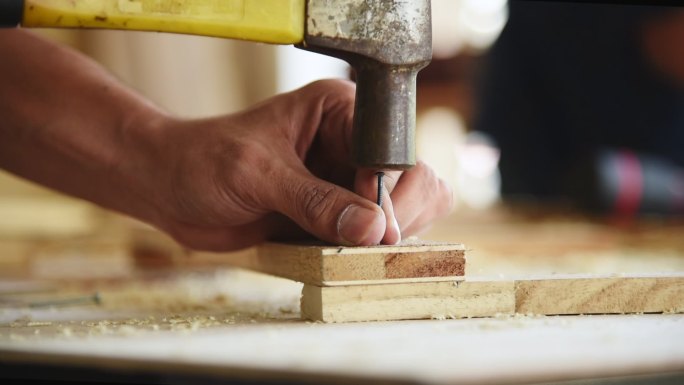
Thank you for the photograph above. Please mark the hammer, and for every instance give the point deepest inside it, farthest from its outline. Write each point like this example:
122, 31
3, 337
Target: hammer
386, 42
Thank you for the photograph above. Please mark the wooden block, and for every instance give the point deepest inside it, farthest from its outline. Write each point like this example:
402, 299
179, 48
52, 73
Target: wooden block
600, 295
407, 301
335, 265
483, 298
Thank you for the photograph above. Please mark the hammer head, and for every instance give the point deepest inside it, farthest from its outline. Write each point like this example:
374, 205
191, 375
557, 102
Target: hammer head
386, 42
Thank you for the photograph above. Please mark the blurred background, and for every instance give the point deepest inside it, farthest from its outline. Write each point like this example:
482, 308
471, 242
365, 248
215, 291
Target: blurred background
195, 76
560, 127
543, 106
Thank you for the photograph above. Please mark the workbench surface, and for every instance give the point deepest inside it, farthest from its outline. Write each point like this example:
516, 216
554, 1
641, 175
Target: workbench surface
244, 322
230, 323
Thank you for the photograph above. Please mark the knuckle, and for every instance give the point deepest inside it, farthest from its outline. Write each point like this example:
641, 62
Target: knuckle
436, 188
332, 93
425, 173
428, 178
316, 202
421, 167
245, 152
247, 158
332, 86
236, 163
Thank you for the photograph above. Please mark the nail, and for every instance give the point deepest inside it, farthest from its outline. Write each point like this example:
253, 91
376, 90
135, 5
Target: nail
358, 225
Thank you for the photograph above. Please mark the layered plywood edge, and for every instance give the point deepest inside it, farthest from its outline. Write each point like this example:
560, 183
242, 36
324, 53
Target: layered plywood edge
562, 295
418, 280
322, 265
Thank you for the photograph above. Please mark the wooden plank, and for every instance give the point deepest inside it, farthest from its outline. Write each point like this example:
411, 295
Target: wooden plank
600, 295
322, 265
485, 298
407, 301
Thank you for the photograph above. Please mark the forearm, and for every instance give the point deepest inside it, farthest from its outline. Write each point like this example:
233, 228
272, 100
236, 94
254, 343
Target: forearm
67, 124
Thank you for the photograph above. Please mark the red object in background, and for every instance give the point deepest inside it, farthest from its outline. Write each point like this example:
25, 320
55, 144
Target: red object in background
630, 180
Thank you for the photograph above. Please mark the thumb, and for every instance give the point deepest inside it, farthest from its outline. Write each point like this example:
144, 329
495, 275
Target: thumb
328, 211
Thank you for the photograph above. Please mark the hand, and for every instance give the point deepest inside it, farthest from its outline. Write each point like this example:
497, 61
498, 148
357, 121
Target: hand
276, 169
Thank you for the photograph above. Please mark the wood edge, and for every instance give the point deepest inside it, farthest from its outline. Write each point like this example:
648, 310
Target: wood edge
311, 303
390, 281
523, 289
518, 278
386, 264
513, 289
342, 250
263, 255
502, 291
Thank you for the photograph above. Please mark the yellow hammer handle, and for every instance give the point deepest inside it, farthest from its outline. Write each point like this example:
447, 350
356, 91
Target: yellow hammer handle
268, 21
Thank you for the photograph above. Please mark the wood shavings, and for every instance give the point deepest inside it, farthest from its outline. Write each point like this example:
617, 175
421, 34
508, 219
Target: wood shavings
37, 323
21, 321
443, 317
184, 303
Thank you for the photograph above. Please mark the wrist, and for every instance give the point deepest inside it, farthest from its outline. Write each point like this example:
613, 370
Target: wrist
140, 164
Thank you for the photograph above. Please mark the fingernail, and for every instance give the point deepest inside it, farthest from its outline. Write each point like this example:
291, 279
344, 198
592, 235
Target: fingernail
360, 226
396, 226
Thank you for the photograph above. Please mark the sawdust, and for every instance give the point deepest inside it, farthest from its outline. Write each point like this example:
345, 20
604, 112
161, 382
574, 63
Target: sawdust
36, 323
124, 327
180, 304
443, 317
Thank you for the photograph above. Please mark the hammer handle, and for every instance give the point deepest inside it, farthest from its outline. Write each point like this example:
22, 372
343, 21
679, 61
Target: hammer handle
268, 21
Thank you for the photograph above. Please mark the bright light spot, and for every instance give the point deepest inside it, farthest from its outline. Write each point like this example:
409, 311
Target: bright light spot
438, 132
478, 160
478, 181
486, 6
468, 162
297, 68
457, 24
447, 37
485, 28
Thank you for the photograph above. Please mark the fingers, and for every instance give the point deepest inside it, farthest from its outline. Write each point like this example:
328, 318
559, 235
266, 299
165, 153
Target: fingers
327, 118
325, 210
260, 166
227, 238
321, 136
419, 198
366, 185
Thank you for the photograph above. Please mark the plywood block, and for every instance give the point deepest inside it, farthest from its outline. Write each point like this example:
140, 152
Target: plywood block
335, 265
484, 298
407, 301
600, 295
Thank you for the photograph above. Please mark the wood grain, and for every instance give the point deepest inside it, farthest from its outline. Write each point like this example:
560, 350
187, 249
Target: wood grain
407, 301
600, 295
335, 265
485, 298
